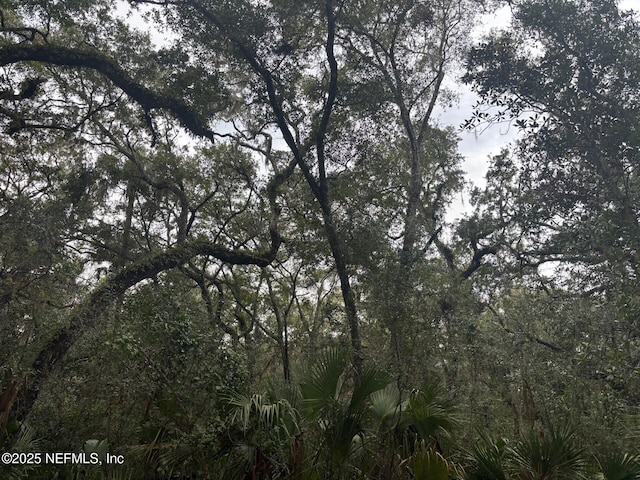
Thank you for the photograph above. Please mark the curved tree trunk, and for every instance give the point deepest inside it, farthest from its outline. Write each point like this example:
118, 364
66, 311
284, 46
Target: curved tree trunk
87, 313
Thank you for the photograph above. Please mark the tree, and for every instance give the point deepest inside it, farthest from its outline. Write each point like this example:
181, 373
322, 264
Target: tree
563, 201
37, 273
72, 94
278, 88
403, 52
567, 191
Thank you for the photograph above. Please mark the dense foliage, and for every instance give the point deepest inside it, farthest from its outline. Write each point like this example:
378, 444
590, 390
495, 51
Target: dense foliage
225, 249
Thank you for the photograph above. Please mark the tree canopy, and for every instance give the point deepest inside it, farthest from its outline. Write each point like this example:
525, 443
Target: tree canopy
226, 249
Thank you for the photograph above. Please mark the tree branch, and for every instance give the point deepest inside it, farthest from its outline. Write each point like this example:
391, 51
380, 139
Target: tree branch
86, 314
72, 57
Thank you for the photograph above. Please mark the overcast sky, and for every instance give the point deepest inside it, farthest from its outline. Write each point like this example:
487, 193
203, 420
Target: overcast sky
476, 146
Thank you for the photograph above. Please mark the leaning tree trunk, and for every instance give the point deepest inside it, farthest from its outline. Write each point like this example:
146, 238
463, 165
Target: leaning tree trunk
87, 313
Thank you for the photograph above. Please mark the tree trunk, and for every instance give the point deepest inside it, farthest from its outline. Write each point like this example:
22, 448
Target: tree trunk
86, 314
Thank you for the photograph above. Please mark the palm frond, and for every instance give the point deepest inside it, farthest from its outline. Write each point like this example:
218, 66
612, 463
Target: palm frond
260, 410
487, 460
385, 405
27, 441
322, 385
619, 466
541, 456
368, 382
429, 411
428, 464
